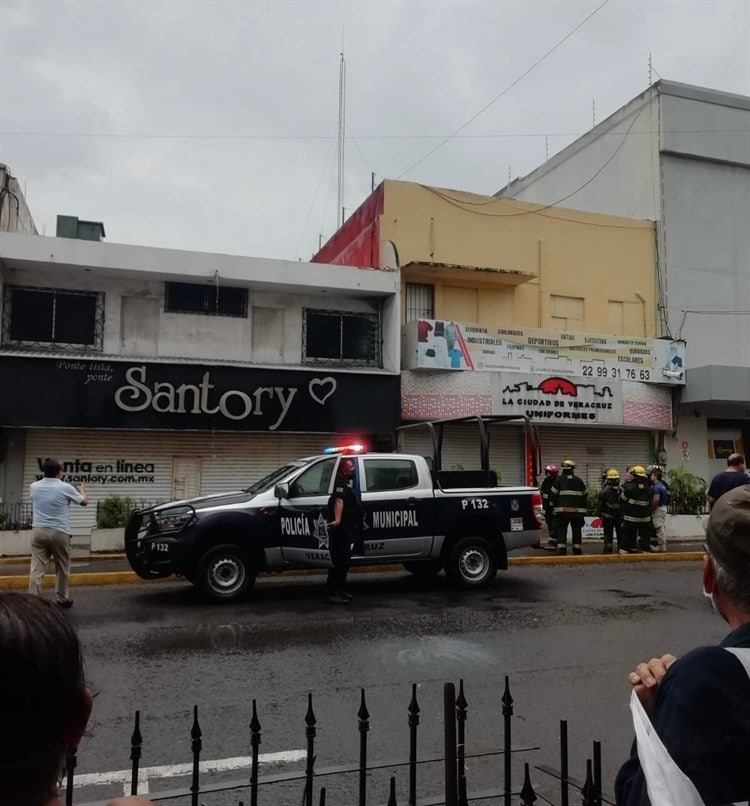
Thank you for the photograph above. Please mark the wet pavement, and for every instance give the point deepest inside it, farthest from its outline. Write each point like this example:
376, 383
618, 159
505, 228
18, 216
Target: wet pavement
566, 636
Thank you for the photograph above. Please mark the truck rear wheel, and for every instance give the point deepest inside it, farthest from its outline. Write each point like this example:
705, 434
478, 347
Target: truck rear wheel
471, 563
225, 574
423, 569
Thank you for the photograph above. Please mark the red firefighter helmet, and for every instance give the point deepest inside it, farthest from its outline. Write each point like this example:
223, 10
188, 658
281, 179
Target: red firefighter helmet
553, 470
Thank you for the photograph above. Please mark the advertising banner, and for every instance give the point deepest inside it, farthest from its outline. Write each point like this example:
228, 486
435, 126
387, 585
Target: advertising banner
443, 345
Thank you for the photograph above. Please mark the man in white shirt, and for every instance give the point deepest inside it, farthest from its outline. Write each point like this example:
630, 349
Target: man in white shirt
51, 498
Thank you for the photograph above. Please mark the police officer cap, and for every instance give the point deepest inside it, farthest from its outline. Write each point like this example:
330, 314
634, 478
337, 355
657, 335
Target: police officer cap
728, 532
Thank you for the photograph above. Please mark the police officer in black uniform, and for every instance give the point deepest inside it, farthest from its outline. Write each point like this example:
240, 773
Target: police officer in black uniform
568, 498
610, 510
551, 472
343, 531
636, 513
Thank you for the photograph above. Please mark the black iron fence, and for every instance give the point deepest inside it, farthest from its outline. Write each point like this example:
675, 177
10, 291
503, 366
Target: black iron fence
454, 789
14, 517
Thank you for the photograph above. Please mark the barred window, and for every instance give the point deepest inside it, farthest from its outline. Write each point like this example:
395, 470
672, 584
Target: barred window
211, 300
40, 317
420, 301
336, 337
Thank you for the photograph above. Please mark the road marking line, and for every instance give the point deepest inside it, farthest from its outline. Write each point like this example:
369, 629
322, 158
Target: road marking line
147, 774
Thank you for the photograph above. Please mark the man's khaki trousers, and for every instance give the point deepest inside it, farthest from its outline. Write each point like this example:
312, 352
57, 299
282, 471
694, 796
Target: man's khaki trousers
46, 545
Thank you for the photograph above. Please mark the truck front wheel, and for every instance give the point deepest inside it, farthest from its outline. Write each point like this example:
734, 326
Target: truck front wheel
471, 563
225, 574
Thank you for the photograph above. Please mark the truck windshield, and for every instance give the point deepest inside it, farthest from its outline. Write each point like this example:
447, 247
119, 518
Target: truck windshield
272, 478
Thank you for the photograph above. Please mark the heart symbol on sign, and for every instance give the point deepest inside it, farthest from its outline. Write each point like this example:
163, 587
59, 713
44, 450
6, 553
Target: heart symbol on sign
321, 389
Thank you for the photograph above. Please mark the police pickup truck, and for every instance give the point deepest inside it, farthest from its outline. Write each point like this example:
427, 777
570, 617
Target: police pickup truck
415, 513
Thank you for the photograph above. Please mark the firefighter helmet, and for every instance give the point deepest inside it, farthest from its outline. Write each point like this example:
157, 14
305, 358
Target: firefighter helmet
613, 474
638, 471
553, 470
568, 464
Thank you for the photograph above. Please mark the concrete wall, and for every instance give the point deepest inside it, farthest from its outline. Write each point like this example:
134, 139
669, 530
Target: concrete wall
707, 232
615, 161
15, 215
602, 260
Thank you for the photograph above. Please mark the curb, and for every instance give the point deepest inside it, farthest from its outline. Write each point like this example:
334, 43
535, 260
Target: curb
26, 558
129, 577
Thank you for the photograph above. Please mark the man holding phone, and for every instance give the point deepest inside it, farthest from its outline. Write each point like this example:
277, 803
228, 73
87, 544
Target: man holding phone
51, 498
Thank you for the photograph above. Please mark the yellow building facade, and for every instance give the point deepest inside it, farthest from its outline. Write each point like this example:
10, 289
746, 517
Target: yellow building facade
502, 262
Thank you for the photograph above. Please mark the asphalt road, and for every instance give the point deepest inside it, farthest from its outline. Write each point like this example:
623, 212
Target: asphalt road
566, 636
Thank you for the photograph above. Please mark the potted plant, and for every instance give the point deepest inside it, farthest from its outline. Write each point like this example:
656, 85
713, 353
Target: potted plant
112, 514
687, 492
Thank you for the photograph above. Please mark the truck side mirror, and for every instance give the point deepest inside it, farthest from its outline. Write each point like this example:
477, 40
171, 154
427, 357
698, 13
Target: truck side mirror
281, 490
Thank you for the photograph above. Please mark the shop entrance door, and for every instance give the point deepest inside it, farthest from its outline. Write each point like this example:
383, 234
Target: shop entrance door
186, 477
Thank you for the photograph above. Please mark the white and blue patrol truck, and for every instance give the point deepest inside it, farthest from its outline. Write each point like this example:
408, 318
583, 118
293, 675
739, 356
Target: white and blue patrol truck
414, 513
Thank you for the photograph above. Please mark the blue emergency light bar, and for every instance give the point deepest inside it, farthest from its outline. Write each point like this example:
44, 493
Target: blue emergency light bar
357, 448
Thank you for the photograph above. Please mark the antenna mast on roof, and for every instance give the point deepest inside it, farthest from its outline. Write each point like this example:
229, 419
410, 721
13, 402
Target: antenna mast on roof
342, 135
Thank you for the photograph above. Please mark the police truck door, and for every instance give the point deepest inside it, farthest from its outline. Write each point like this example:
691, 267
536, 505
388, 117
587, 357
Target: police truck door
398, 509
303, 515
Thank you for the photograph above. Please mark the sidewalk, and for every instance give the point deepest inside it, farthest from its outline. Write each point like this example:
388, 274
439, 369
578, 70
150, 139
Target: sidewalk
115, 569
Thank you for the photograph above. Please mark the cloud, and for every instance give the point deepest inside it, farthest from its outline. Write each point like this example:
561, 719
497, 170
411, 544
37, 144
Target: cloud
218, 74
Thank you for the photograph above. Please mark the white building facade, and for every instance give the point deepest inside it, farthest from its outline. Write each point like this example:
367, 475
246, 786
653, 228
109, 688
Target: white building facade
679, 155
159, 374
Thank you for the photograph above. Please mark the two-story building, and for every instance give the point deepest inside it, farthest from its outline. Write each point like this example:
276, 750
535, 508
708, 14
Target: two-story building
517, 308
158, 373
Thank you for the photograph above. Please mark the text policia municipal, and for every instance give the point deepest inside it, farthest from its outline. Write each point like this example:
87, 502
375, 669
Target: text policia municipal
200, 398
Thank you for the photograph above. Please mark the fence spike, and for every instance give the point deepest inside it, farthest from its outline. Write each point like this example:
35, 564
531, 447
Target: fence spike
597, 774
450, 753
255, 740
587, 791
310, 731
196, 745
392, 794
71, 761
363, 715
136, 743
413, 728
507, 701
461, 709
564, 791
528, 796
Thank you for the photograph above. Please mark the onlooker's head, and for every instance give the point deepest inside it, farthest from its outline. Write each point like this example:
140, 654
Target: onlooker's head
51, 468
726, 571
656, 474
46, 704
736, 462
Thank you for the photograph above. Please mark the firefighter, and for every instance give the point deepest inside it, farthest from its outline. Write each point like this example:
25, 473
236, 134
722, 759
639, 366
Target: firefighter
551, 472
635, 498
568, 498
610, 510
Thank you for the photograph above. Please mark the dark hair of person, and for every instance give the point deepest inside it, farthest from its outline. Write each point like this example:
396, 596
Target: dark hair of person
657, 473
42, 680
51, 468
735, 460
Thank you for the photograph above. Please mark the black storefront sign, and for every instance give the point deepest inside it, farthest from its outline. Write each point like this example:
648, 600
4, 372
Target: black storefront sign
75, 392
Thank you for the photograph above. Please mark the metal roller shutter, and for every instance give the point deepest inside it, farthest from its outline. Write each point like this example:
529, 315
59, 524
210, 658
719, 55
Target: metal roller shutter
461, 447
227, 461
595, 450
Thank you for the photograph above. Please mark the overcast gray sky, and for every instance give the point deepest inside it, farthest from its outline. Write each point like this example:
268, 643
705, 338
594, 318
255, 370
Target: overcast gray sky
211, 124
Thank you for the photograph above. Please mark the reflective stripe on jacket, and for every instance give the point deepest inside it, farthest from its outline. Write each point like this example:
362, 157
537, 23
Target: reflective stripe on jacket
636, 501
568, 495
